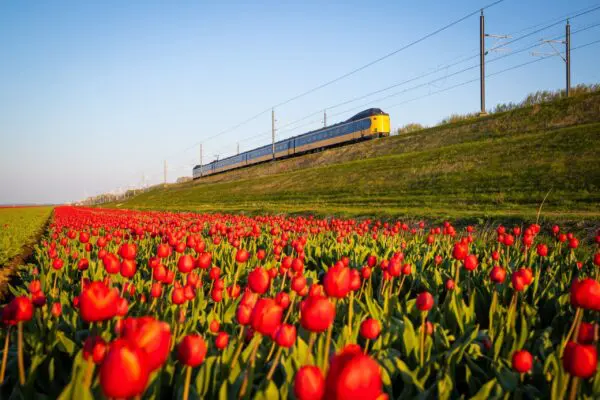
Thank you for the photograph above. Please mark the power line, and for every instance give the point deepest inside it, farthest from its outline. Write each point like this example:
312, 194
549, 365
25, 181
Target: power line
467, 58
579, 13
489, 76
431, 81
350, 73
411, 44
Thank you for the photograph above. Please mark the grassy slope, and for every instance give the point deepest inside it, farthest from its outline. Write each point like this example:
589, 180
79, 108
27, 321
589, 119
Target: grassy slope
498, 166
18, 226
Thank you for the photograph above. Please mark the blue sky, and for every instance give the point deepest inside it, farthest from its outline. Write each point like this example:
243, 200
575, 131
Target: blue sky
94, 96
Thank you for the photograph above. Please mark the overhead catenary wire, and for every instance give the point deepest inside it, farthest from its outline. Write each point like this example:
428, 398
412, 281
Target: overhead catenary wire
347, 74
570, 16
356, 70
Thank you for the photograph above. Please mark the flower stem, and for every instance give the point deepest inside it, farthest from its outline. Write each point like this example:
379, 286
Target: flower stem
456, 273
89, 372
350, 311
4, 355
20, 354
249, 376
290, 308
575, 319
422, 347
574, 387
275, 362
186, 387
311, 344
238, 351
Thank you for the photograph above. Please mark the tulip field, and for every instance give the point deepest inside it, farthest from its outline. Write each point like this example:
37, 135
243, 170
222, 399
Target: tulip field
17, 225
156, 305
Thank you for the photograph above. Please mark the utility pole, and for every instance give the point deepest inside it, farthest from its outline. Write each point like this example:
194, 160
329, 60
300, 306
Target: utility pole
238, 148
568, 55
165, 173
200, 159
273, 132
482, 54
482, 61
566, 58
325, 118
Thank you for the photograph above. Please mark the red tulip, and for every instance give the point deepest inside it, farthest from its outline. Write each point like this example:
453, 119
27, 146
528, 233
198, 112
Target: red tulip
98, 302
497, 274
586, 294
56, 310
185, 264
542, 250
205, 260
111, 263
156, 290
20, 309
151, 336
164, 250
128, 251
586, 333
221, 340
192, 350
128, 268
57, 264
283, 299
522, 361
94, 347
425, 301
317, 314
460, 251
580, 360
259, 280
518, 281
353, 375
298, 283
241, 256
214, 326
123, 372
243, 314
370, 329
471, 262
309, 383
178, 296
337, 281
285, 336
266, 316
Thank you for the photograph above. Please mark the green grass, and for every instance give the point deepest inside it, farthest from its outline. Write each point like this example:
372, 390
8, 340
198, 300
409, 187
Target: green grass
18, 225
499, 166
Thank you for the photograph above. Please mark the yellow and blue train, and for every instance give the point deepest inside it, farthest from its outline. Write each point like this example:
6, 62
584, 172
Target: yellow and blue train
367, 124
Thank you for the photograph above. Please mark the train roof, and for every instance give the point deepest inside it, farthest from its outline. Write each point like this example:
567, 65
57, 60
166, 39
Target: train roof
361, 115
367, 113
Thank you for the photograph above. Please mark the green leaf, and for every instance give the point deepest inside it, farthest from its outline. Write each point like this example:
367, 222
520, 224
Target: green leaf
410, 339
204, 376
490, 390
271, 392
444, 387
64, 343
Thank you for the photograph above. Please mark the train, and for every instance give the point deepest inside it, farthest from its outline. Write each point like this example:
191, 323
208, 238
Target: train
367, 124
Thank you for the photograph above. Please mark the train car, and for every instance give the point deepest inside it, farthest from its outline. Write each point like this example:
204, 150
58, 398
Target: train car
365, 125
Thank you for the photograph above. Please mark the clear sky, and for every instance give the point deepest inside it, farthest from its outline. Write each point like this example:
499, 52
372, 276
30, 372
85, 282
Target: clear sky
94, 96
